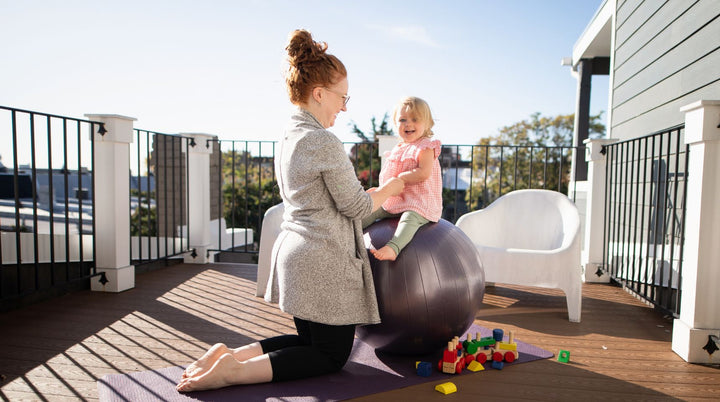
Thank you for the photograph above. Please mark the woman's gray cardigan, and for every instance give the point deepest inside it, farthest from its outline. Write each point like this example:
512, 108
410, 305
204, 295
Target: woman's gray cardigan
320, 270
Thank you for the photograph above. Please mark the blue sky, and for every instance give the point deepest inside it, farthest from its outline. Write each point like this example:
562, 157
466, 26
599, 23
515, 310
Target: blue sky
216, 66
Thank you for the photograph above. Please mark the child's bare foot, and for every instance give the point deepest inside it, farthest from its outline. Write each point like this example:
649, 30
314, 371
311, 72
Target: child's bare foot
218, 376
384, 253
207, 360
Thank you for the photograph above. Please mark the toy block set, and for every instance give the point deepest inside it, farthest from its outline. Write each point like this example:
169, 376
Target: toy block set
472, 353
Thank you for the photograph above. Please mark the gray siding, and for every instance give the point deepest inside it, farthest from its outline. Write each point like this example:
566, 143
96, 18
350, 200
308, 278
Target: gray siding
667, 55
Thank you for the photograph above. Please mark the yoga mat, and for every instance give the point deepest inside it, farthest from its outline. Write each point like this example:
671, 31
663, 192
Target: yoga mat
366, 372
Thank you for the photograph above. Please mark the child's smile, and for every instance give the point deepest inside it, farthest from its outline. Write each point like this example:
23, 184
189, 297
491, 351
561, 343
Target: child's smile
409, 127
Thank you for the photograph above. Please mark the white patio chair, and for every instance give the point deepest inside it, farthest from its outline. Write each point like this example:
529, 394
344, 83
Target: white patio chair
530, 238
270, 231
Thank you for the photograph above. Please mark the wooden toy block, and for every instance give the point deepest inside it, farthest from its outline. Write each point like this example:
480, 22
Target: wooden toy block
453, 360
423, 369
471, 341
497, 365
448, 368
475, 366
486, 341
467, 342
471, 348
564, 356
498, 334
507, 346
446, 388
449, 355
484, 355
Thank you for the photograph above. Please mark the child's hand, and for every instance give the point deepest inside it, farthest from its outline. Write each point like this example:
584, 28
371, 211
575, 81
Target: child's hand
394, 186
371, 190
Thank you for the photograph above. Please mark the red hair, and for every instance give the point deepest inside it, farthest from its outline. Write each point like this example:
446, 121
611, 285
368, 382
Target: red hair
310, 66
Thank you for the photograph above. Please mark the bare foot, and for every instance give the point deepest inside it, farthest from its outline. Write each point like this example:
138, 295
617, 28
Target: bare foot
207, 360
218, 376
385, 253
247, 352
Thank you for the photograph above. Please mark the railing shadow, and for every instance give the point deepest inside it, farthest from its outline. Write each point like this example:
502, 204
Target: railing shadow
168, 319
534, 308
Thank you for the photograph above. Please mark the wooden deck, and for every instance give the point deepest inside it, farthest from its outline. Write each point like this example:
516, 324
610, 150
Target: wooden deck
57, 350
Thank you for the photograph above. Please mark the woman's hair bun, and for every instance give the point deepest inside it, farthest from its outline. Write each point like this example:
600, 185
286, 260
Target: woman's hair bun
309, 65
302, 49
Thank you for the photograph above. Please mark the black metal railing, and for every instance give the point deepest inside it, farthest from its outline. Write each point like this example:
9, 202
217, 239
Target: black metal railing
494, 170
247, 188
47, 200
473, 177
52, 170
644, 215
159, 197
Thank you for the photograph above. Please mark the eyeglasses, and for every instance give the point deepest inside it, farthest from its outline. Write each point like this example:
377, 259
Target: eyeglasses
345, 98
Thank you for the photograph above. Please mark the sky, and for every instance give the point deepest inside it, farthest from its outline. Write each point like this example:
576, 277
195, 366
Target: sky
216, 67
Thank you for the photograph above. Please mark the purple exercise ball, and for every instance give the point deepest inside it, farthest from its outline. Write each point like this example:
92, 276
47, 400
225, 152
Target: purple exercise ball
429, 294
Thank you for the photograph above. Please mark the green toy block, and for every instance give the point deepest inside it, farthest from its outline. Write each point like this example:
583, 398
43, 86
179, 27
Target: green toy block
564, 356
486, 341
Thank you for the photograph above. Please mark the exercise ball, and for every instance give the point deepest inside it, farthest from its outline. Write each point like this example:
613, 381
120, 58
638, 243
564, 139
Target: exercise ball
429, 294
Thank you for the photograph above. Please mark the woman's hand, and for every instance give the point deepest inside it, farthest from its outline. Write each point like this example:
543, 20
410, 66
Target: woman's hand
394, 186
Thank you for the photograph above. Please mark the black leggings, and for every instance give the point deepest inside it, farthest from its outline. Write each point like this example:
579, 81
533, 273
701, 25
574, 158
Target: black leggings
317, 349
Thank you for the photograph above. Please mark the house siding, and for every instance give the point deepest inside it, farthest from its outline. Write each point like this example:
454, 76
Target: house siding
666, 56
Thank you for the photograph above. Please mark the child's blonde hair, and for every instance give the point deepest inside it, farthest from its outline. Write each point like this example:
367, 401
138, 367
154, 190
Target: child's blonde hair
417, 108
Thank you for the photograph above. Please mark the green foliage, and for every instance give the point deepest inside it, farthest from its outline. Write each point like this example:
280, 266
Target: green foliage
532, 153
366, 160
245, 205
381, 129
143, 221
248, 190
364, 155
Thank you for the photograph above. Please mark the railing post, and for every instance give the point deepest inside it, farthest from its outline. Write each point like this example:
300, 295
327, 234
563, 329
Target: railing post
112, 203
592, 254
386, 143
700, 298
199, 202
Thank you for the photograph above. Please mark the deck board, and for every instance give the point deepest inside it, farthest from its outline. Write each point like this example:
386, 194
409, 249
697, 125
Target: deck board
57, 350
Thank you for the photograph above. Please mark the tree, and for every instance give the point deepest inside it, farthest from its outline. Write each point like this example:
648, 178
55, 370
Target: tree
532, 153
249, 189
382, 129
143, 221
365, 154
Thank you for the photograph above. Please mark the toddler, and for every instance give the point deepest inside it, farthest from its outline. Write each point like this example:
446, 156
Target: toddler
414, 160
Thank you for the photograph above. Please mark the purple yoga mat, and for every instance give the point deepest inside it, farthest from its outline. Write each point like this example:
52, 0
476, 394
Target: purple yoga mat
367, 372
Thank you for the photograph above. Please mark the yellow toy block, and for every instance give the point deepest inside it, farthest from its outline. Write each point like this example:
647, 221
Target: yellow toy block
507, 346
446, 388
475, 366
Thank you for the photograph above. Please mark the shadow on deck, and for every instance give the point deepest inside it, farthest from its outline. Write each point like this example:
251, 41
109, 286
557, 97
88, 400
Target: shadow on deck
60, 348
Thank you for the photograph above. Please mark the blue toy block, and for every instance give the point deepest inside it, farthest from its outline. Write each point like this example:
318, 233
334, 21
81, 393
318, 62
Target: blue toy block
497, 365
498, 335
424, 369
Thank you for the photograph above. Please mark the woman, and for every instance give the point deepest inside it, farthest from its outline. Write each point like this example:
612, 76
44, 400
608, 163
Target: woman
320, 270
